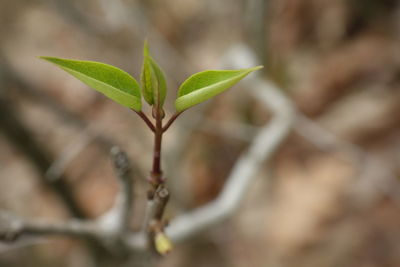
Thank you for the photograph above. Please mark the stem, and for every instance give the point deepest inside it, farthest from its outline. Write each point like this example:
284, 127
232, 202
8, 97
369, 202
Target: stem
171, 120
146, 120
158, 195
156, 173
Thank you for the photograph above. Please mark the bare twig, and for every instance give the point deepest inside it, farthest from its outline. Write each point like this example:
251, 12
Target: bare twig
12, 227
160, 202
72, 227
118, 218
155, 207
110, 226
153, 222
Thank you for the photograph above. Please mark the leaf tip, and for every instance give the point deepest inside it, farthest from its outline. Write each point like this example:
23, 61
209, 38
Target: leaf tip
49, 59
256, 68
43, 57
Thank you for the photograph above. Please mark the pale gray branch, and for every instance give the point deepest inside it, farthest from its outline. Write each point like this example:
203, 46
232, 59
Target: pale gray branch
117, 219
110, 227
72, 227
12, 227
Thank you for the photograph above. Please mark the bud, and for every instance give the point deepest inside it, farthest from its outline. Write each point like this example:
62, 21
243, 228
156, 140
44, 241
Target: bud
162, 243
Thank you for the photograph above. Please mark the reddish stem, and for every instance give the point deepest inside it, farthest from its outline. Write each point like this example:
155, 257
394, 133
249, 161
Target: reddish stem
146, 120
156, 172
171, 120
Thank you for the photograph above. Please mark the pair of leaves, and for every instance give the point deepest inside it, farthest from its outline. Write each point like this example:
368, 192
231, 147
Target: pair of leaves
125, 90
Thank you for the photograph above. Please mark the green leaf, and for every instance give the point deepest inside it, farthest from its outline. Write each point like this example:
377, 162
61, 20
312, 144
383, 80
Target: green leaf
207, 84
154, 86
108, 80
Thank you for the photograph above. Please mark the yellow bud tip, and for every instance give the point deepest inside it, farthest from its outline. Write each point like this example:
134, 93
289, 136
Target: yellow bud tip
162, 243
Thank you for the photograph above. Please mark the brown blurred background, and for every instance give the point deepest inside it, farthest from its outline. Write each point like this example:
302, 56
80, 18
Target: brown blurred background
330, 196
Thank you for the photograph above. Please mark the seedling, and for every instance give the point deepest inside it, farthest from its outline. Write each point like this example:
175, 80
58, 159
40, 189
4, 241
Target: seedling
126, 91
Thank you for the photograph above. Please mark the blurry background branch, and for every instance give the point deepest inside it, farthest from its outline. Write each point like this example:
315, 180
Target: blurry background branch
107, 229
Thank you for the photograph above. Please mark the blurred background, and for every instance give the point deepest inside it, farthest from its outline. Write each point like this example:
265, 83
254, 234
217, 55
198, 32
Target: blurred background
329, 197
